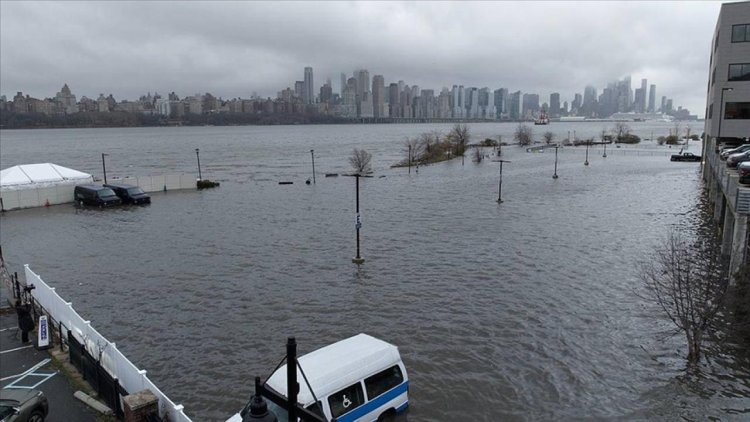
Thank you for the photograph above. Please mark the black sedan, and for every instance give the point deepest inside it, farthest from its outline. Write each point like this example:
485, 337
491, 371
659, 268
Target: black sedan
687, 156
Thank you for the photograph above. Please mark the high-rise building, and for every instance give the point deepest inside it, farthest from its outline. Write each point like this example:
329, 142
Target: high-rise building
393, 101
652, 99
299, 90
378, 96
530, 107
308, 96
501, 103
326, 93
575, 106
589, 106
363, 81
483, 101
461, 105
663, 108
343, 84
515, 106
644, 95
554, 104
639, 97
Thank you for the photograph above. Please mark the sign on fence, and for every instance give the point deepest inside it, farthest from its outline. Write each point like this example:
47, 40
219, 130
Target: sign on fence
43, 334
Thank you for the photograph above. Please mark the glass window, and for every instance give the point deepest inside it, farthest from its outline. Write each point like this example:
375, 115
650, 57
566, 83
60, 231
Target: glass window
383, 381
106, 192
316, 408
135, 191
716, 42
711, 111
739, 72
737, 111
741, 33
346, 400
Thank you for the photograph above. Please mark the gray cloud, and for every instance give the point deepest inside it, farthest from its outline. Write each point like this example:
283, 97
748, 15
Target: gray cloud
232, 49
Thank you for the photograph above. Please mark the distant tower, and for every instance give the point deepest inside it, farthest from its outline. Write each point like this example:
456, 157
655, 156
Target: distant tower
378, 96
652, 99
308, 95
644, 95
343, 84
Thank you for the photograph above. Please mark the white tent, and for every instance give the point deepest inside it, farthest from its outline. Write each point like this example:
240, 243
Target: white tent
35, 185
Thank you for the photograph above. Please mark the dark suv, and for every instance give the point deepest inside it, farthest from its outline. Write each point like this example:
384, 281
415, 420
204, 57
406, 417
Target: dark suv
130, 194
23, 405
95, 195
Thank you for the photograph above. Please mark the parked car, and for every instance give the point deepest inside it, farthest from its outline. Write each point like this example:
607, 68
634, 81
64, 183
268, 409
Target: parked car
743, 169
685, 156
729, 151
23, 405
129, 194
95, 195
735, 159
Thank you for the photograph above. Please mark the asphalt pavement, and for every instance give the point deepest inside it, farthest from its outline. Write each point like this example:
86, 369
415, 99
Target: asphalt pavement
22, 366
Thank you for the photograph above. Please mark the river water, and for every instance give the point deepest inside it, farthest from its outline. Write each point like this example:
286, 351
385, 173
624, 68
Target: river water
527, 310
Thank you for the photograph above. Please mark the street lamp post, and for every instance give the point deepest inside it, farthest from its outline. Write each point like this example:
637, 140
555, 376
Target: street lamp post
358, 224
500, 182
554, 176
197, 154
585, 163
605, 148
721, 111
312, 155
104, 168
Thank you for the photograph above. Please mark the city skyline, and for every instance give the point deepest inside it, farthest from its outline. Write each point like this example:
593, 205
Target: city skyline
235, 49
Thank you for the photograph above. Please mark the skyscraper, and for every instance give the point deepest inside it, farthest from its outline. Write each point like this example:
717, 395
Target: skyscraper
644, 94
589, 106
309, 94
393, 100
652, 99
515, 105
554, 104
343, 84
663, 107
378, 96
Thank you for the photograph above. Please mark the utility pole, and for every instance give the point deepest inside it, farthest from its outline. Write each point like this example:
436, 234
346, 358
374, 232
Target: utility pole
104, 168
554, 176
312, 154
197, 154
585, 163
358, 224
500, 182
409, 158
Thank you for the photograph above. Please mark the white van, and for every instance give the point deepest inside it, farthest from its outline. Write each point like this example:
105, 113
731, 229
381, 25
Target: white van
357, 379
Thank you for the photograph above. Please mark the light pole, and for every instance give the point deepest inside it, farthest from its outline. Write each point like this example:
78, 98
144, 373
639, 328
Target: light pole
312, 155
197, 154
605, 148
585, 163
358, 224
104, 168
500, 182
721, 111
554, 176
409, 158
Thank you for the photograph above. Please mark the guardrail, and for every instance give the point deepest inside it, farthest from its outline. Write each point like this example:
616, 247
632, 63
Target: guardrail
131, 378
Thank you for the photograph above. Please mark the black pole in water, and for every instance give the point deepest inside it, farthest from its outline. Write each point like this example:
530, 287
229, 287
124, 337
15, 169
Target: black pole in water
585, 163
312, 154
554, 176
500, 182
409, 159
197, 154
104, 168
605, 149
358, 259
291, 379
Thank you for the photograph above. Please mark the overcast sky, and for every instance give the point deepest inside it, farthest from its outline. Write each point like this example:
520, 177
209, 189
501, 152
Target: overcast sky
233, 49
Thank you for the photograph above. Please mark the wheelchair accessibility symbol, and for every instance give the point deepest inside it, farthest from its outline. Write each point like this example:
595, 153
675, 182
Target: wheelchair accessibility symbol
346, 402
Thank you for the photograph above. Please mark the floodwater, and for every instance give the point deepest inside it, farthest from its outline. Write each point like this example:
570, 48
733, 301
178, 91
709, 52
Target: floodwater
527, 310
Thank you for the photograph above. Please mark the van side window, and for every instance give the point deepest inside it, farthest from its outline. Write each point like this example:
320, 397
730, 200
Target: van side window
383, 381
346, 400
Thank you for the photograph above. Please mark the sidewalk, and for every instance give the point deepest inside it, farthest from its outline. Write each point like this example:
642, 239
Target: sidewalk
16, 359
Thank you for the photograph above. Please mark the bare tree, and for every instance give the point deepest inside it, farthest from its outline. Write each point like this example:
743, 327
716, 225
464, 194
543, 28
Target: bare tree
459, 137
523, 135
360, 161
413, 146
478, 155
620, 130
689, 283
548, 137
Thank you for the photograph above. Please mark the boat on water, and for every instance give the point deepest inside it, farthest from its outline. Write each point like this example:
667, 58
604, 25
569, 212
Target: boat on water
542, 120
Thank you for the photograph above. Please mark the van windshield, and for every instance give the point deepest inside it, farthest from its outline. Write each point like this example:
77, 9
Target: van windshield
135, 191
106, 192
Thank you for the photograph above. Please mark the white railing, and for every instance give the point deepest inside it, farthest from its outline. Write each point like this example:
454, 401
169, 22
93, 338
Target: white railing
129, 376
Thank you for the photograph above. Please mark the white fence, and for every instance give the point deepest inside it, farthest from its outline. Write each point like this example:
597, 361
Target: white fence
129, 376
63, 194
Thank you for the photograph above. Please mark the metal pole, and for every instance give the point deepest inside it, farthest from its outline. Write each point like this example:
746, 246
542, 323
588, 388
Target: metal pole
410, 159
554, 176
358, 259
585, 163
312, 154
291, 378
500, 185
197, 155
605, 148
104, 169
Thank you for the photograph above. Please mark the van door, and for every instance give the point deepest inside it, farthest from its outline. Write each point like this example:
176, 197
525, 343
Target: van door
344, 404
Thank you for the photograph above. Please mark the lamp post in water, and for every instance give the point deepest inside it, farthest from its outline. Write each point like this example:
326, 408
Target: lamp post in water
104, 168
500, 182
197, 154
358, 221
312, 155
585, 163
554, 176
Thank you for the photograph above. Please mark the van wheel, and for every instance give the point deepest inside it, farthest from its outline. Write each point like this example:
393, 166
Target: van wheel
388, 416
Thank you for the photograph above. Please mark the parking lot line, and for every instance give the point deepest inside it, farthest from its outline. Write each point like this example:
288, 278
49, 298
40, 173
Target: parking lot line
17, 348
28, 371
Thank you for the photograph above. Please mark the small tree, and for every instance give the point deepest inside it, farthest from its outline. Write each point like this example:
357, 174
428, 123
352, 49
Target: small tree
523, 135
689, 283
415, 147
620, 131
459, 137
360, 161
548, 137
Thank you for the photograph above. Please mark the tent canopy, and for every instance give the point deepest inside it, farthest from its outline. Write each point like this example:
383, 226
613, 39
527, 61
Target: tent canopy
43, 174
